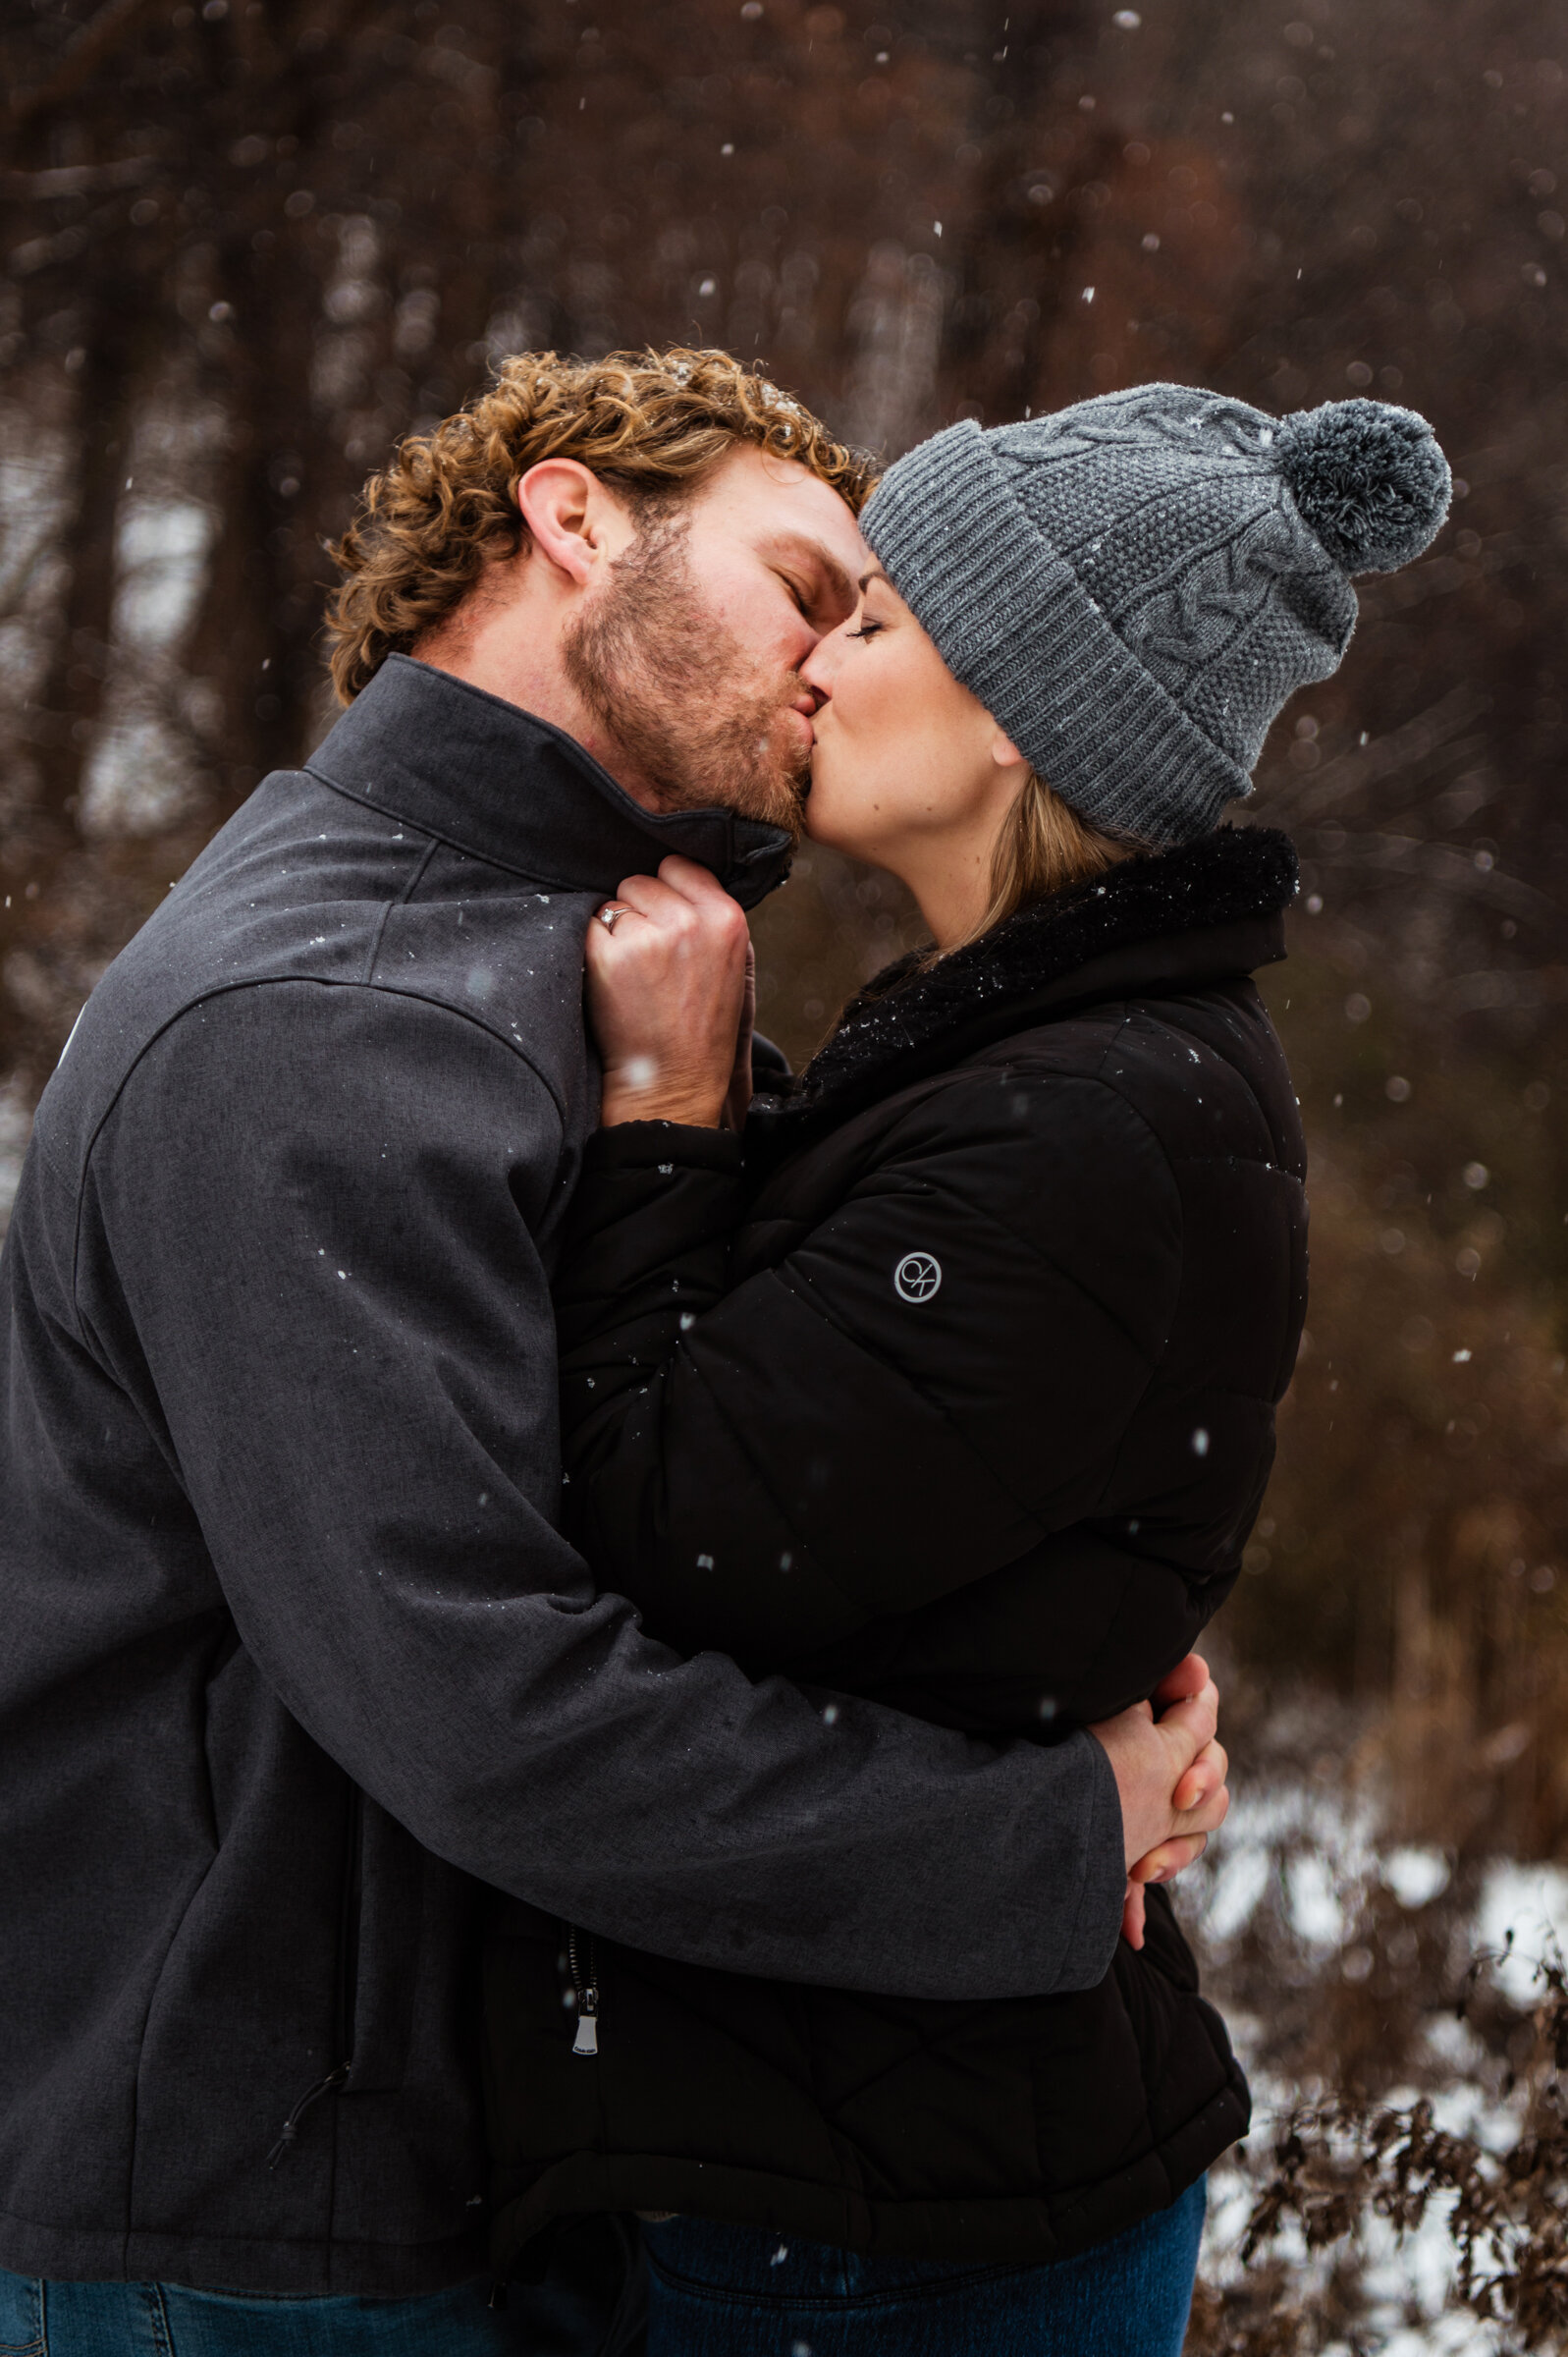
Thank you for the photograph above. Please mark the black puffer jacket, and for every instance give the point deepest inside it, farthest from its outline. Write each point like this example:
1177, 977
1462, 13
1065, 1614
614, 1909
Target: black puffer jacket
967, 1405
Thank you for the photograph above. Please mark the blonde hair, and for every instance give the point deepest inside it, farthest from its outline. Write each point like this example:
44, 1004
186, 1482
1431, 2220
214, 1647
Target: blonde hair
650, 424
1045, 847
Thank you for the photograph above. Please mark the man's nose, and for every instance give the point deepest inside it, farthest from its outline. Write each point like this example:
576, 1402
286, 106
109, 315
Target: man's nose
807, 647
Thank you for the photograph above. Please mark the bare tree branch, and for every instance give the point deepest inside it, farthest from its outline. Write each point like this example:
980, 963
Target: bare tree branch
1443, 864
1296, 805
76, 180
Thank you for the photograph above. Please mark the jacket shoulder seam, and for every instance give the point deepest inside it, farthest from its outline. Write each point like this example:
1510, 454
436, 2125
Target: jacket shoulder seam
399, 901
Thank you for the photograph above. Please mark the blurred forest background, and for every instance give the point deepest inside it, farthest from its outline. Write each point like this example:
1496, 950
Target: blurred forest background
249, 243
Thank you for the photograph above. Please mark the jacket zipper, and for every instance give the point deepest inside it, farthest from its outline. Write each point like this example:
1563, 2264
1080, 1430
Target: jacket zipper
582, 1962
583, 1965
346, 1973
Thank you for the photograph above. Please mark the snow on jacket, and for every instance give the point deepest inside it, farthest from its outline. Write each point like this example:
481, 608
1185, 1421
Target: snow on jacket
967, 1405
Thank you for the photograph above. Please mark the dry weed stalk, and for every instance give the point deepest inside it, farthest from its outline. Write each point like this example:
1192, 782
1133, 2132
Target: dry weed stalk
1336, 2164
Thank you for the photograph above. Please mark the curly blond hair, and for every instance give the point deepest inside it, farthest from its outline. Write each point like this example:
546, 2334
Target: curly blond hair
650, 424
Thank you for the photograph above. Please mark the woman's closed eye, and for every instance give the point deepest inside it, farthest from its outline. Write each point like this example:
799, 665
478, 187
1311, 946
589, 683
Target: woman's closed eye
867, 629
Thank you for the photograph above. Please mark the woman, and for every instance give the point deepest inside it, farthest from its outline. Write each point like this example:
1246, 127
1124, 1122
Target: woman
953, 1382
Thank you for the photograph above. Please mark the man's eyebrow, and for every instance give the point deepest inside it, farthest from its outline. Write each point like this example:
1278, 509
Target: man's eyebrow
817, 553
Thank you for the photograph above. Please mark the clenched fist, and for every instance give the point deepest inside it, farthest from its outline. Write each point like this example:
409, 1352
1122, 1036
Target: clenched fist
670, 996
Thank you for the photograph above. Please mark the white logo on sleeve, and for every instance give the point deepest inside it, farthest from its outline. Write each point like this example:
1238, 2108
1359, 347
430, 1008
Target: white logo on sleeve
917, 1277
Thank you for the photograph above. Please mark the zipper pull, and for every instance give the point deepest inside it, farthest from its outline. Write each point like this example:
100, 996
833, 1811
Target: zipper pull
291, 2126
586, 1990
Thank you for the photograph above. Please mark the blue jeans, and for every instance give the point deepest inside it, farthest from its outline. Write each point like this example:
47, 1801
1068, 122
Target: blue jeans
566, 2316
732, 2292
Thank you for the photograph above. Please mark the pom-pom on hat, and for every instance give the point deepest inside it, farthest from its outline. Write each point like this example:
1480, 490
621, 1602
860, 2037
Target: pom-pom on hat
1369, 479
1134, 585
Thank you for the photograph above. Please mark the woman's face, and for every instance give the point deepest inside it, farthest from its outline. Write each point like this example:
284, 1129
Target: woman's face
910, 770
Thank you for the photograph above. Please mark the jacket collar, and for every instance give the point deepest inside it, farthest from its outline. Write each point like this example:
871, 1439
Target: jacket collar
453, 761
1197, 914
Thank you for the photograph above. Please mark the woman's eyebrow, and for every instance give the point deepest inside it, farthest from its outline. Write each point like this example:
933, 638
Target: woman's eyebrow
875, 574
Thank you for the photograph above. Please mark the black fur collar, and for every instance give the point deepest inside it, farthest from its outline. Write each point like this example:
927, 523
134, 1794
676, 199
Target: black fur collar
911, 1020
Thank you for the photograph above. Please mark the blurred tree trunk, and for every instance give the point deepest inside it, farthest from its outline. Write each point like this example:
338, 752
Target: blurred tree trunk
50, 903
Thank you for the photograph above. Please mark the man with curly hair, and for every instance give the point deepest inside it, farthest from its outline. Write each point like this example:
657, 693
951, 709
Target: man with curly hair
299, 1673
636, 551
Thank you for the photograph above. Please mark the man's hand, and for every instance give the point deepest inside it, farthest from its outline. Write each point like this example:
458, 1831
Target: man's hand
1171, 1774
667, 999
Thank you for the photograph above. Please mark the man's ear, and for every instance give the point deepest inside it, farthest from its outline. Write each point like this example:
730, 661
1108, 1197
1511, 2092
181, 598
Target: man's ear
570, 516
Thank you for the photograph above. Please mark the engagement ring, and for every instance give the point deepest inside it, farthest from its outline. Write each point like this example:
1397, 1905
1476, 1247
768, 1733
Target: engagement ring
608, 915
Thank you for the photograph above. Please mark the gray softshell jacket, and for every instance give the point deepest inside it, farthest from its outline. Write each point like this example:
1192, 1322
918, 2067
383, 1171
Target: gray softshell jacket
295, 1660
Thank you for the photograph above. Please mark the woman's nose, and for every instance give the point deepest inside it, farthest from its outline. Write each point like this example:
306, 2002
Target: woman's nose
820, 664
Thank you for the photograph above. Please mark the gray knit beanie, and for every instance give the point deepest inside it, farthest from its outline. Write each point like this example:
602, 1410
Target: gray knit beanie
1133, 586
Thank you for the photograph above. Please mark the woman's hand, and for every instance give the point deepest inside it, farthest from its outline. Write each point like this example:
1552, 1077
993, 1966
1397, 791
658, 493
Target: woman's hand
670, 988
1171, 1774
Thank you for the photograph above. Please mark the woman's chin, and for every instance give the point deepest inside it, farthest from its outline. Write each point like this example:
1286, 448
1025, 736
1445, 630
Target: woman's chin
817, 827
816, 816
835, 807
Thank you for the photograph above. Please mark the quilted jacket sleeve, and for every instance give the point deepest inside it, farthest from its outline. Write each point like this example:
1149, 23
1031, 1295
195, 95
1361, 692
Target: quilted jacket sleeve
931, 1380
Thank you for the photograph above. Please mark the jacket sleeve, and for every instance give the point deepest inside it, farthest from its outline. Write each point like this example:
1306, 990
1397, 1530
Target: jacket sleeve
308, 1250
926, 1386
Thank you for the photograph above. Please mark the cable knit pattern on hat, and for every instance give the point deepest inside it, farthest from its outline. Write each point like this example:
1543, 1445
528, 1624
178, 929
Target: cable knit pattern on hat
1135, 585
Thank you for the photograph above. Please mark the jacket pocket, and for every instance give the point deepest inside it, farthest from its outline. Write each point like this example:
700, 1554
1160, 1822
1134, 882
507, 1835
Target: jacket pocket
392, 1884
390, 1895
345, 1981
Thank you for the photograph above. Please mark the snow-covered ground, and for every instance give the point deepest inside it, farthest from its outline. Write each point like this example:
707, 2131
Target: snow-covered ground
1315, 1858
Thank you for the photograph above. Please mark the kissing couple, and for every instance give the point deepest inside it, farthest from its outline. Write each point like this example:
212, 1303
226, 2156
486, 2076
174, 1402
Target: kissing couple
599, 1700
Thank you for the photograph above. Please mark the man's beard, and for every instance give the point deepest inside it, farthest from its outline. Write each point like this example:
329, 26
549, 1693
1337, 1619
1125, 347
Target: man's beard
677, 691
